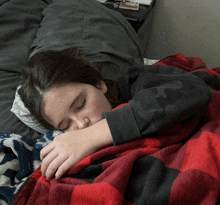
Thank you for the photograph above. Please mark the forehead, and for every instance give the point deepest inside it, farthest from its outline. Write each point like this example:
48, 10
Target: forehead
67, 87
61, 92
57, 99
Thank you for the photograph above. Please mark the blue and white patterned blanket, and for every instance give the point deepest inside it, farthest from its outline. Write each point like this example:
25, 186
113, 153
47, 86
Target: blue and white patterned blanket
19, 158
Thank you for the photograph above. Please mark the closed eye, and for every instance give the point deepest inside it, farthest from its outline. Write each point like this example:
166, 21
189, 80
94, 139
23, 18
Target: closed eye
83, 104
67, 127
79, 108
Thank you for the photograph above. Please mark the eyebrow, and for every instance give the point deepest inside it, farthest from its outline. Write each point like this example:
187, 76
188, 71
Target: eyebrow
72, 104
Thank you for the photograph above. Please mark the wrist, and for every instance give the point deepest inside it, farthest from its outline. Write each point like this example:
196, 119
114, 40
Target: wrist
101, 132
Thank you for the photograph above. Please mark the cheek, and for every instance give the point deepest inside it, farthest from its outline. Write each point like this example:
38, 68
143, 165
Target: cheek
96, 109
98, 105
104, 105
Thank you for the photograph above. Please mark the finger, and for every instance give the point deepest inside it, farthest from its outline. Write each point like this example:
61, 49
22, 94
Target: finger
64, 167
54, 165
47, 160
46, 150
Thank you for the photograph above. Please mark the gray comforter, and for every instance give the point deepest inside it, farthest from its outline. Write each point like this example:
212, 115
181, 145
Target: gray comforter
28, 27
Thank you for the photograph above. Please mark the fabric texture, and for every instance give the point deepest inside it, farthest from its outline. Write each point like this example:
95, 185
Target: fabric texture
19, 23
19, 109
179, 166
160, 96
105, 35
28, 27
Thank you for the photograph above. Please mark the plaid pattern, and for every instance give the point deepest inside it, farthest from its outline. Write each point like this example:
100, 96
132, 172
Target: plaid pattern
180, 166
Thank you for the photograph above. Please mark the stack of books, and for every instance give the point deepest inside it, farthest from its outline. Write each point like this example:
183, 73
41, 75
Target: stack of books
135, 11
127, 4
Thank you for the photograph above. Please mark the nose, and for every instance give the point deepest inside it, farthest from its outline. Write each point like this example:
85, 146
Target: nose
82, 123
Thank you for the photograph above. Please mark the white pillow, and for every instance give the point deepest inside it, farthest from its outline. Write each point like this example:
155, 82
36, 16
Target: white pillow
19, 109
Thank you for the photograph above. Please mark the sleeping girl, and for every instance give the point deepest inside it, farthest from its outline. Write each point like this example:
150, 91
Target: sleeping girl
64, 91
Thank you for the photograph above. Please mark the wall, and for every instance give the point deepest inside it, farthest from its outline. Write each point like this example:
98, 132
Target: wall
191, 27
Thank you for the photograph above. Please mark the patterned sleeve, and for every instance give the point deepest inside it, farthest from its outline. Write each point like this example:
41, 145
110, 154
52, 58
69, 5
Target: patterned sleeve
160, 96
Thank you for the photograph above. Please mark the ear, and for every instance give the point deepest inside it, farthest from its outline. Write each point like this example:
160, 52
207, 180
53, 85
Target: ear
102, 86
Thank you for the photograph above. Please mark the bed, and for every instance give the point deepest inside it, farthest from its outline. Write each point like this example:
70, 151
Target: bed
181, 166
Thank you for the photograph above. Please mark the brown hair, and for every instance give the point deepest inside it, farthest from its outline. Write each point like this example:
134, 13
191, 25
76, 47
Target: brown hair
49, 68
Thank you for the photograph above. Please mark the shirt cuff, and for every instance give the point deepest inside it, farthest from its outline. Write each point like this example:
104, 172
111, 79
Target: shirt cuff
122, 124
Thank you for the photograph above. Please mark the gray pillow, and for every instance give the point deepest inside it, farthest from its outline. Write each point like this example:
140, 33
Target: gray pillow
28, 27
105, 34
19, 23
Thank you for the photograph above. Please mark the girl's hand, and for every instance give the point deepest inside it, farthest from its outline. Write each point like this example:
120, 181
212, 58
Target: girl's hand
68, 148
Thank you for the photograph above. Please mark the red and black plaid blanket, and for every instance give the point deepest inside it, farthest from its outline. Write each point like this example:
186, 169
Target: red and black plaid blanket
180, 166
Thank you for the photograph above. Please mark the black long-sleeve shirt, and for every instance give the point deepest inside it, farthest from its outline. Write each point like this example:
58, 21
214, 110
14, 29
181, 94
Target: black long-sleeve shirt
159, 96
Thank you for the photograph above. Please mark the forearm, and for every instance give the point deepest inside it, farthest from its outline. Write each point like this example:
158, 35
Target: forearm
101, 133
161, 97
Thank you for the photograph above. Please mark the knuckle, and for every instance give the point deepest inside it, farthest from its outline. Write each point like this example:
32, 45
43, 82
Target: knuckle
60, 172
52, 168
62, 169
50, 172
57, 138
42, 152
45, 163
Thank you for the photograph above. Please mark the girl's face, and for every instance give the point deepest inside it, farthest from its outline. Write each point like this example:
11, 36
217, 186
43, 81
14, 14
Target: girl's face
75, 106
